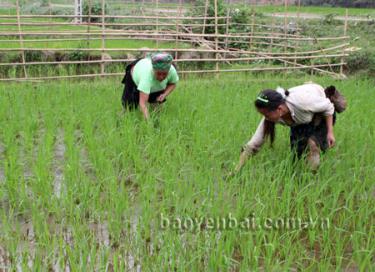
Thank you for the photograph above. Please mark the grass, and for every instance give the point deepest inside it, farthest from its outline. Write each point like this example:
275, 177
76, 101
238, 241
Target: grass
122, 177
109, 43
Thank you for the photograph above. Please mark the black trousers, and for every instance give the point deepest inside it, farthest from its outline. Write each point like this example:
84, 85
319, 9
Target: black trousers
317, 131
130, 95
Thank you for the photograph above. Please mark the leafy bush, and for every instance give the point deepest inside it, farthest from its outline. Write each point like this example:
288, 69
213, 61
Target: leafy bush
95, 9
199, 10
363, 60
239, 17
329, 19
31, 56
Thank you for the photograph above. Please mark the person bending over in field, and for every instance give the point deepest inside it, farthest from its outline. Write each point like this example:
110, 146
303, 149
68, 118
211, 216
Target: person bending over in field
310, 112
148, 80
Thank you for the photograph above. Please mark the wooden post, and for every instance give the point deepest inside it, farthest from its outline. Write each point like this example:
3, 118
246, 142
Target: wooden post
272, 33
157, 25
21, 38
50, 8
78, 11
252, 29
297, 26
205, 16
227, 31
88, 24
345, 33
102, 64
142, 7
285, 29
216, 39
177, 28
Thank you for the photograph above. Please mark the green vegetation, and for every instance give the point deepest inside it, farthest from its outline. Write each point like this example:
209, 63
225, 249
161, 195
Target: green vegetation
86, 186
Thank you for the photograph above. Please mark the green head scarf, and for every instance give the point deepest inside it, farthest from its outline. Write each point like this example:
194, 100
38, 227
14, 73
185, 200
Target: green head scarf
161, 61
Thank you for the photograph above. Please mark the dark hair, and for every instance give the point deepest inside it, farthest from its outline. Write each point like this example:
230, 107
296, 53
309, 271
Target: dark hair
270, 100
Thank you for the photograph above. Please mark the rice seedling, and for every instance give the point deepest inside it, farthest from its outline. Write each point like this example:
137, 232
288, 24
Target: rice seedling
86, 186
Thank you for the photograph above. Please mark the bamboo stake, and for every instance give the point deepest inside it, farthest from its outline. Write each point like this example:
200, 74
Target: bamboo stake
252, 29
297, 23
205, 16
272, 34
177, 27
216, 37
88, 24
20, 38
227, 30
157, 25
285, 23
49, 7
142, 8
345, 32
102, 65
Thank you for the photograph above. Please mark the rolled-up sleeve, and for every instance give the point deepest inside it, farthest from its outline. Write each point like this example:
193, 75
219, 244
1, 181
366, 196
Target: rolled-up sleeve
257, 140
173, 76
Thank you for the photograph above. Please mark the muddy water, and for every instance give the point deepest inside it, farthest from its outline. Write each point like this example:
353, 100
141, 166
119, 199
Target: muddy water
26, 248
58, 163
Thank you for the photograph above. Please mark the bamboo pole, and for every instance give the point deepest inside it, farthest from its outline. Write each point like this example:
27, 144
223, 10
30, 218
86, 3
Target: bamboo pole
180, 72
345, 33
48, 24
177, 60
21, 38
113, 16
139, 39
119, 33
230, 50
102, 65
313, 68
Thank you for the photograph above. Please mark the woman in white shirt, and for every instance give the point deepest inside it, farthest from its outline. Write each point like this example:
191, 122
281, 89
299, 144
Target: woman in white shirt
309, 110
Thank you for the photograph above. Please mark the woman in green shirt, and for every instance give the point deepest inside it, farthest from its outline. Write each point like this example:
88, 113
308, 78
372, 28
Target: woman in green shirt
149, 80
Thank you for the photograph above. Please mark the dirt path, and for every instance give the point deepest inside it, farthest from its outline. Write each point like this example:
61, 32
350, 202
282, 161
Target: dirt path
308, 16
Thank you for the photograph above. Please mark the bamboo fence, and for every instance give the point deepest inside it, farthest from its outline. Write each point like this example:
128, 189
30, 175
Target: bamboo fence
273, 43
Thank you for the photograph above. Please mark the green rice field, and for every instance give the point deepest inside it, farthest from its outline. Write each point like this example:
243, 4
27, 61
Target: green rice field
85, 186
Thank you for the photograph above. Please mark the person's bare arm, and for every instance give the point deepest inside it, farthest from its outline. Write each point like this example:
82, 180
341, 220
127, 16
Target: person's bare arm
330, 135
252, 146
167, 91
143, 100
